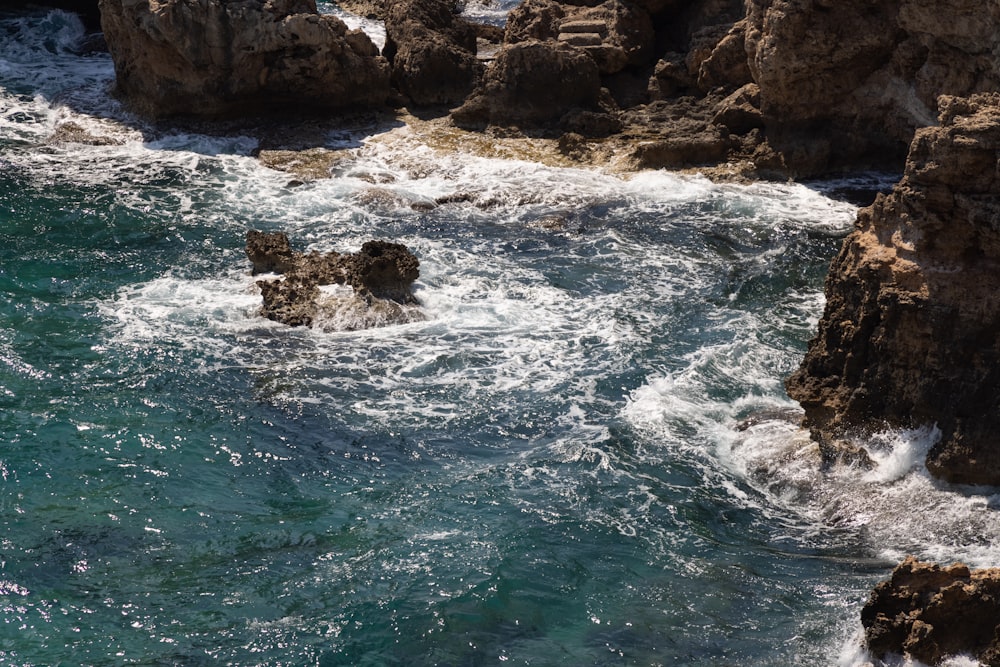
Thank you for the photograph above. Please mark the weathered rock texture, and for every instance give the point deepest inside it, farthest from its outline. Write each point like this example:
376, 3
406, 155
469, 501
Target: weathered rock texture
658, 74
221, 58
911, 330
845, 82
928, 613
381, 275
432, 51
533, 83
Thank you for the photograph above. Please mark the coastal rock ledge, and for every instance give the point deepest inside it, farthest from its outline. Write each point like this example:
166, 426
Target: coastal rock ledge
930, 613
911, 331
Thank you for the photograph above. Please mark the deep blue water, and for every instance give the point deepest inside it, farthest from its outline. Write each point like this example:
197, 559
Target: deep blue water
545, 471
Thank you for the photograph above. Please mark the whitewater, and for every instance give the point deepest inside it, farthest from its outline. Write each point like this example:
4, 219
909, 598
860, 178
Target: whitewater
581, 455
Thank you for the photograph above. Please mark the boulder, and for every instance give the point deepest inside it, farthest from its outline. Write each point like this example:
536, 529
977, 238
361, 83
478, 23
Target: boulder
929, 613
235, 58
432, 51
381, 276
909, 333
532, 83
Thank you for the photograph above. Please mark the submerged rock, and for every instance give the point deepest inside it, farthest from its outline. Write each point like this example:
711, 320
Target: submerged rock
929, 613
911, 330
379, 276
217, 59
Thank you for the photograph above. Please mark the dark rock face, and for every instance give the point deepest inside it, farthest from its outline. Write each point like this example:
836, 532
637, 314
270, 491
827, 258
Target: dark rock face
911, 331
381, 275
615, 34
431, 49
928, 613
533, 83
237, 58
843, 83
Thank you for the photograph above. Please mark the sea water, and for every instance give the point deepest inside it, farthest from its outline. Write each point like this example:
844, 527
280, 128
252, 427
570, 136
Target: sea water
582, 455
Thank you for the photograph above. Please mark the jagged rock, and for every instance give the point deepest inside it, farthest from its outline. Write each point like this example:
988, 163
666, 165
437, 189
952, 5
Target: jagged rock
848, 83
929, 613
614, 33
432, 51
681, 134
381, 275
532, 83
719, 60
740, 111
909, 335
219, 58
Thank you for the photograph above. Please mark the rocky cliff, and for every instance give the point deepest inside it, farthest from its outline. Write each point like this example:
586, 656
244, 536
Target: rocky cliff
87, 10
239, 57
911, 330
847, 83
800, 87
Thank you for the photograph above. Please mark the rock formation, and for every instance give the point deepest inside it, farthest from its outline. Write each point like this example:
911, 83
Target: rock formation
221, 58
533, 83
847, 83
911, 330
432, 51
658, 72
380, 274
928, 613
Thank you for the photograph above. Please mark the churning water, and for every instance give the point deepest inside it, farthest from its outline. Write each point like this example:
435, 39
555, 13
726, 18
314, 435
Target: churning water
546, 470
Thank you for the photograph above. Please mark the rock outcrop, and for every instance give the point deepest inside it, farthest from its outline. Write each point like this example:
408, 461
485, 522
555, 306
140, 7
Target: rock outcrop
533, 83
847, 83
660, 73
614, 33
219, 58
928, 613
911, 331
380, 276
432, 51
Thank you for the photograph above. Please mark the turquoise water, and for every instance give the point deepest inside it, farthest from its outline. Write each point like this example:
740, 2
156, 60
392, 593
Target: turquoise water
545, 471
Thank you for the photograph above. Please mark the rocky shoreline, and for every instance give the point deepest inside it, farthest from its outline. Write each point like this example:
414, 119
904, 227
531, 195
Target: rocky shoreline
756, 89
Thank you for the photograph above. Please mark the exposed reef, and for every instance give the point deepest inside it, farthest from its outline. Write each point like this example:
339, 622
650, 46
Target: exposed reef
911, 330
929, 613
380, 277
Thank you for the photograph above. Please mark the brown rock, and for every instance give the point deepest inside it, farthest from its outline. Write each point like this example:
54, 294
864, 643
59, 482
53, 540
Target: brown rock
532, 83
740, 111
848, 83
615, 33
381, 275
237, 58
431, 49
929, 613
909, 335
269, 252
